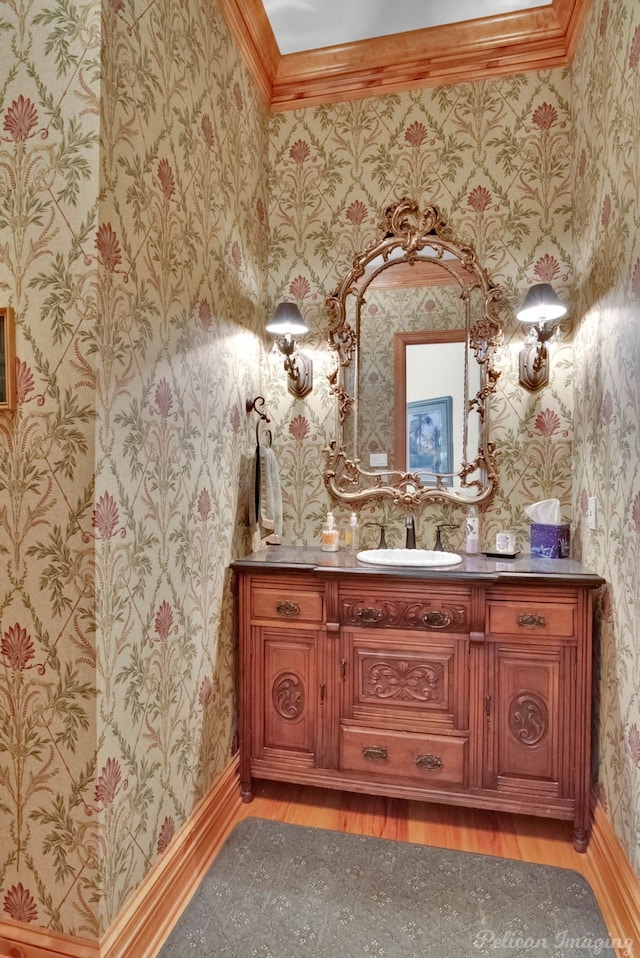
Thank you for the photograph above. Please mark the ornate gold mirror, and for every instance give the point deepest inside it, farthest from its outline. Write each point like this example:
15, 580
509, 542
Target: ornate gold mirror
415, 329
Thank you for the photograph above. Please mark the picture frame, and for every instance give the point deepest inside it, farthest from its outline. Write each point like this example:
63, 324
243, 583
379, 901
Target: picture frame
7, 358
430, 439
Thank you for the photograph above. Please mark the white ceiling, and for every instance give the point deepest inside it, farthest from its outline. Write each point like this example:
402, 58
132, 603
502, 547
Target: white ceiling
300, 25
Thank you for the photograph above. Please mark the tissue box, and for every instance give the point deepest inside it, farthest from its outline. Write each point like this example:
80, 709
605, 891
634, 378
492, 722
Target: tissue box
550, 542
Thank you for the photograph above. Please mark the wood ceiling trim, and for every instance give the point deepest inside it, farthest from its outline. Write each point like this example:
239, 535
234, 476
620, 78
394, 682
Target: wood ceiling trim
250, 26
539, 38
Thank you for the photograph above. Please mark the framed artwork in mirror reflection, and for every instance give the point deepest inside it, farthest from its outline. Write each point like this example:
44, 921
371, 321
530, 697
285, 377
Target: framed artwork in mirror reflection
430, 438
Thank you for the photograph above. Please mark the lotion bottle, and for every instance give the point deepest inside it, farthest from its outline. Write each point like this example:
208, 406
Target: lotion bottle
351, 535
472, 531
330, 535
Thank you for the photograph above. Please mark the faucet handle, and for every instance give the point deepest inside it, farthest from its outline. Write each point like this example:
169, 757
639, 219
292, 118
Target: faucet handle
383, 542
438, 547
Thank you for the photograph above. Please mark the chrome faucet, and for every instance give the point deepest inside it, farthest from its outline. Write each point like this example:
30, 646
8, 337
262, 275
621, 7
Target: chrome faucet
410, 524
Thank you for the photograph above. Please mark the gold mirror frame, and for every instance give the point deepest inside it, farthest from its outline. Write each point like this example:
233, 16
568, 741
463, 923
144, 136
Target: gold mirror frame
405, 233
7, 358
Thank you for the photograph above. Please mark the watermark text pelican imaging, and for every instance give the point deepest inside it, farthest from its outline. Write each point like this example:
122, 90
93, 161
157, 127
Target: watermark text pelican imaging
489, 940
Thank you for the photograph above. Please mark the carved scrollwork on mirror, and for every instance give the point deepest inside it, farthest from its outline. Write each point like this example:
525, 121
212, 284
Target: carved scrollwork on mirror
414, 328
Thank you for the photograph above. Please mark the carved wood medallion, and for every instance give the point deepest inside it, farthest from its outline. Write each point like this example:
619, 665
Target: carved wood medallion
403, 680
288, 695
528, 718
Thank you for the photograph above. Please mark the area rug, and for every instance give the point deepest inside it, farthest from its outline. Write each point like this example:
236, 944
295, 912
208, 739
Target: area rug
287, 891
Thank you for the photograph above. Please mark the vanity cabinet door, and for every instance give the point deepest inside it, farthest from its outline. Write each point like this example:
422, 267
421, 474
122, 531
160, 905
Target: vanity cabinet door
529, 708
404, 680
286, 697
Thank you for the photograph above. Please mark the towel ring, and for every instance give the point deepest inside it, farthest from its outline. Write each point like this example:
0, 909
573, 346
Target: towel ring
251, 405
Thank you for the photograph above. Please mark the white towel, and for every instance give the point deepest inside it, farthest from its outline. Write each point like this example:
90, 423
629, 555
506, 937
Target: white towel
266, 507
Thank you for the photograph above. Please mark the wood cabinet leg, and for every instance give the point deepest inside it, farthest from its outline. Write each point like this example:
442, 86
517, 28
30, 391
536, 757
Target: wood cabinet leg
580, 839
246, 791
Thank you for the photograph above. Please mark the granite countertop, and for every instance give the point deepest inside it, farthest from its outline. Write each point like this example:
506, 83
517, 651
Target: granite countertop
477, 568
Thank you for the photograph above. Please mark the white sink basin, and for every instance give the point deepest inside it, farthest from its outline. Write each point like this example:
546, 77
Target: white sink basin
421, 558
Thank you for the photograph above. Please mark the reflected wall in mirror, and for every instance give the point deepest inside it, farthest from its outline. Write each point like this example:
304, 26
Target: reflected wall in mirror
415, 329
432, 433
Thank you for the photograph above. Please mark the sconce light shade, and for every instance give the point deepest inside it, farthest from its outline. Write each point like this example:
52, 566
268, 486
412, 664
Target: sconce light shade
542, 310
286, 323
541, 305
287, 320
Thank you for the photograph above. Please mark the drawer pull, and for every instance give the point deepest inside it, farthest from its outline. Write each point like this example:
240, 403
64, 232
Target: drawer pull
530, 621
375, 752
370, 615
436, 620
429, 762
287, 608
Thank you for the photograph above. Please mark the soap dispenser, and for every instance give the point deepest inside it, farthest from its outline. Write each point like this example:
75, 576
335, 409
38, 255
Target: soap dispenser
330, 535
351, 536
472, 531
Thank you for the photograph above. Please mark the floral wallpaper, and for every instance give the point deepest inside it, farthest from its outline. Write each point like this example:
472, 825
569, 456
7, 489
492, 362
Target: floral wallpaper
49, 155
541, 172
495, 157
133, 240
150, 214
606, 171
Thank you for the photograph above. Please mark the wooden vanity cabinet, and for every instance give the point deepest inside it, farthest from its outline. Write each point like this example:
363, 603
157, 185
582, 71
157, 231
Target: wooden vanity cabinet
462, 689
280, 687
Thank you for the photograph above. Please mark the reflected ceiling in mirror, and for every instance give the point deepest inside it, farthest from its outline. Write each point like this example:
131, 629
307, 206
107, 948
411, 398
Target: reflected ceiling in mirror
413, 426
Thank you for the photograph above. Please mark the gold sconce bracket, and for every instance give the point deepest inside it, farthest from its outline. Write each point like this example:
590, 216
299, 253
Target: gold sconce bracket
286, 323
542, 310
300, 374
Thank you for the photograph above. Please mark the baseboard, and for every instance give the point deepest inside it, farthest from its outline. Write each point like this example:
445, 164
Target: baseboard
616, 886
146, 920
158, 902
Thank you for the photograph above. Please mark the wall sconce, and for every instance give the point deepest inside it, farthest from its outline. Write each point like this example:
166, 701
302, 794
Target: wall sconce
286, 323
543, 311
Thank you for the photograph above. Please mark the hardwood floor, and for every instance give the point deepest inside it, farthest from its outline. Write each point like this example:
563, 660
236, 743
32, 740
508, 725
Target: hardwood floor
465, 829
539, 840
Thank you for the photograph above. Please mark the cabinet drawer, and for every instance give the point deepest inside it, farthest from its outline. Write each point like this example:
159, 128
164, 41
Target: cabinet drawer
425, 759
285, 605
532, 618
435, 613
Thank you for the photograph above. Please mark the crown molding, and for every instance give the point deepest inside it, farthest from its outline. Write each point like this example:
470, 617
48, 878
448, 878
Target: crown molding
252, 32
534, 39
